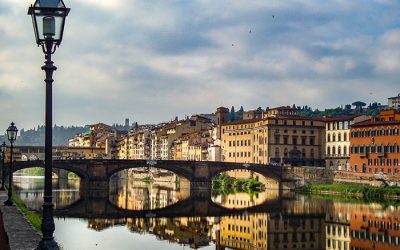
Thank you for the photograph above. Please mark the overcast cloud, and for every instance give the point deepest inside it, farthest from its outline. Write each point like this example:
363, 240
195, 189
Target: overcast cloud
153, 60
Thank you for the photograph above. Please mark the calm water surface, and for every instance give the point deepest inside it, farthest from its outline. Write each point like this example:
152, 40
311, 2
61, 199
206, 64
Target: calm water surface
268, 220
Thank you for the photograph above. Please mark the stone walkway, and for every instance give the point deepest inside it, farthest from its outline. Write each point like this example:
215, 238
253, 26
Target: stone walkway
21, 234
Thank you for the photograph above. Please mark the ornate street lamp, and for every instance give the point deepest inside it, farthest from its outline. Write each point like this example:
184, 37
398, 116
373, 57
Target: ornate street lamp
12, 136
3, 152
48, 18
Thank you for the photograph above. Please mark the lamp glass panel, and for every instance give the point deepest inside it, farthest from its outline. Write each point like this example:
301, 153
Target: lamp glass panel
49, 3
58, 18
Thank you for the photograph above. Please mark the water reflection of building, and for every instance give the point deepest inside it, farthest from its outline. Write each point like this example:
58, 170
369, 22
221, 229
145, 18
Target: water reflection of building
296, 231
193, 231
137, 195
243, 231
377, 229
357, 226
243, 200
337, 230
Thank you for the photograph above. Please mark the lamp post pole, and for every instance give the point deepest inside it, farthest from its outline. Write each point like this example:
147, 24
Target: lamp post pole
12, 136
48, 18
3, 152
48, 227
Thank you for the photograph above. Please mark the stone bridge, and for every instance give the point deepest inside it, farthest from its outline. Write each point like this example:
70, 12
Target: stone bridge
95, 174
198, 204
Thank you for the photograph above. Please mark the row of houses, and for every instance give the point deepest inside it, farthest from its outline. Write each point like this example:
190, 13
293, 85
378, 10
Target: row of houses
277, 136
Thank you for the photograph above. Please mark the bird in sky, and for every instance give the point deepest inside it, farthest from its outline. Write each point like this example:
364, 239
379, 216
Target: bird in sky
273, 16
250, 31
232, 44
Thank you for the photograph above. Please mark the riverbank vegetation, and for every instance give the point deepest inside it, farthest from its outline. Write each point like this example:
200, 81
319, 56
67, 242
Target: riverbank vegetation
367, 193
33, 217
223, 184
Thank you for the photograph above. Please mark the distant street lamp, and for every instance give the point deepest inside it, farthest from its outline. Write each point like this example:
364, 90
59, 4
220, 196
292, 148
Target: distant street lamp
3, 152
12, 136
48, 18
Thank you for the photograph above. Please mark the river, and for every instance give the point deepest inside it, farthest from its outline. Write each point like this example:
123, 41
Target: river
173, 219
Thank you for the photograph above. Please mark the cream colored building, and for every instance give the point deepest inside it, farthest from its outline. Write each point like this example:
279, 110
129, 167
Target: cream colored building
337, 149
280, 137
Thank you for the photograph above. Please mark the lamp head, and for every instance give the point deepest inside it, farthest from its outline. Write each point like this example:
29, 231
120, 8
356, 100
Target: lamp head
12, 132
48, 19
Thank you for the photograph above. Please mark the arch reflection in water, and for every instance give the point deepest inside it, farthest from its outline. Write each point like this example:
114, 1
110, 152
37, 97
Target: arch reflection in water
147, 189
30, 190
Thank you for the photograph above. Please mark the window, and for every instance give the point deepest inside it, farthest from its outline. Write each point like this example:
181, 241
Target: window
345, 150
329, 138
339, 137
277, 153
333, 137
328, 150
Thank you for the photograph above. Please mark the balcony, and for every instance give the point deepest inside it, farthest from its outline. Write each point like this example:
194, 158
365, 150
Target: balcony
336, 156
363, 154
381, 154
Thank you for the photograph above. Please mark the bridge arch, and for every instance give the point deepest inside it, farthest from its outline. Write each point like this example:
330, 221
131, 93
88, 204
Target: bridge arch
174, 166
20, 165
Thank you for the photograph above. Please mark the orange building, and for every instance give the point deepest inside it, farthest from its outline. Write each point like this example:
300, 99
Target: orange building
375, 144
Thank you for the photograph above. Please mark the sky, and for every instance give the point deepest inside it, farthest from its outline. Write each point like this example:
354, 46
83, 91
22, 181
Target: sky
152, 60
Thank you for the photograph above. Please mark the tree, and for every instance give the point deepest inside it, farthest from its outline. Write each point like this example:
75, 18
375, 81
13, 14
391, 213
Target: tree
359, 105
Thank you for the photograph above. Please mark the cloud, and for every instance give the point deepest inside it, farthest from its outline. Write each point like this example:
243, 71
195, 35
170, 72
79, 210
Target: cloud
154, 60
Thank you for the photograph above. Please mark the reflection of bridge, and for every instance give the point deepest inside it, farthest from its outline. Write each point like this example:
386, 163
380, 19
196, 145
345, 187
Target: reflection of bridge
95, 174
198, 204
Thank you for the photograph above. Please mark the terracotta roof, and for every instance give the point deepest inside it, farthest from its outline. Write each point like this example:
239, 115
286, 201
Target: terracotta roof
243, 122
340, 118
374, 123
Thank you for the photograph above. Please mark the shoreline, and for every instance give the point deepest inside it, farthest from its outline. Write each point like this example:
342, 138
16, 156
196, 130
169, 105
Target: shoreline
350, 190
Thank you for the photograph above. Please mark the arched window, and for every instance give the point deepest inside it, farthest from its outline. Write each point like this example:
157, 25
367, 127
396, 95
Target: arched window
395, 131
286, 152
395, 148
388, 148
339, 136
370, 132
333, 137
339, 150
329, 150
388, 131
376, 132
382, 132
345, 136
329, 138
345, 150
333, 150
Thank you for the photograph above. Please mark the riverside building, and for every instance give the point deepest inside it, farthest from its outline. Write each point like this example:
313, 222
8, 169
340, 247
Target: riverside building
375, 144
280, 137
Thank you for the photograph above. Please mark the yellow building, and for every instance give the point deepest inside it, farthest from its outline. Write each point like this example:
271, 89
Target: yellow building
280, 137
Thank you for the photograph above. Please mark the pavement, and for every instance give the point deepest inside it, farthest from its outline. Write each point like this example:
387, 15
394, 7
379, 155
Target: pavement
21, 234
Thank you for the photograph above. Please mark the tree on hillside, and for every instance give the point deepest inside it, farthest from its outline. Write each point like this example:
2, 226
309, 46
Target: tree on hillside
359, 106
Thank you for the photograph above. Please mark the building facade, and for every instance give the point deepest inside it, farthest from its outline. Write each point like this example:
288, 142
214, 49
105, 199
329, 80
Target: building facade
280, 137
375, 144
